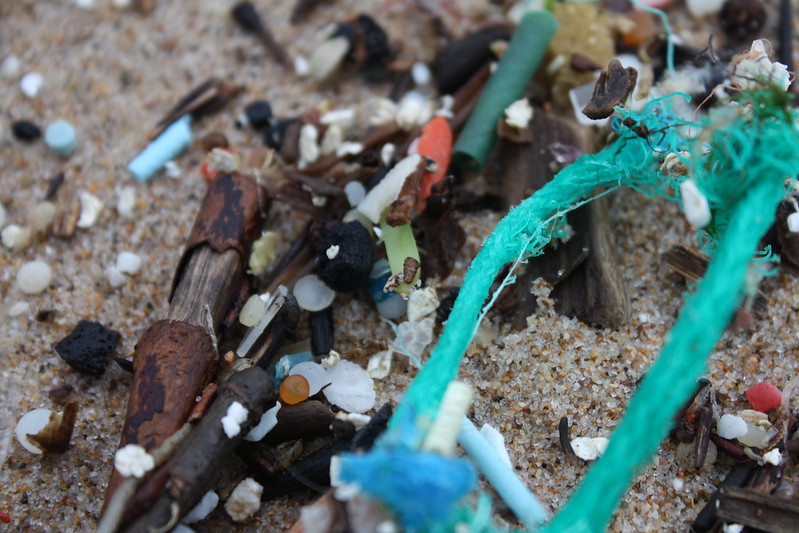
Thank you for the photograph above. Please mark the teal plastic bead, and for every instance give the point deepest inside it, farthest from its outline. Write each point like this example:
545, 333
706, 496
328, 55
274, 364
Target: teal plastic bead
61, 137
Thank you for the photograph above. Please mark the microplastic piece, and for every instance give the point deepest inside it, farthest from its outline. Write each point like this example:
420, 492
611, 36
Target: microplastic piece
314, 373
267, 424
61, 137
344, 261
32, 423
421, 303
388, 189
313, 294
133, 460
350, 388
497, 441
443, 433
588, 448
253, 310
519, 113
764, 397
235, 416
34, 277
164, 148
294, 389
355, 192
379, 364
694, 204
128, 262
287, 362
31, 84
245, 500
793, 222
774, 457
731, 427
203, 509
90, 207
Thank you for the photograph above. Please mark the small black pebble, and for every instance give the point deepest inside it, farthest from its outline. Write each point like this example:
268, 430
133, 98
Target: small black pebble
349, 268
86, 348
26, 131
259, 114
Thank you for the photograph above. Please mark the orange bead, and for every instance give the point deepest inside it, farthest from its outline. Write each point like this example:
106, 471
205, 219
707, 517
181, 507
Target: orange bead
294, 389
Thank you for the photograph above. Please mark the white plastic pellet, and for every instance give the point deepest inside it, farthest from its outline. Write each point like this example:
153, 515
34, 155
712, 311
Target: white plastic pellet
421, 74
32, 423
31, 84
252, 311
355, 192
11, 66
414, 110
301, 66
41, 217
15, 237
314, 373
703, 8
343, 118
34, 277
267, 424
392, 308
308, 145
18, 309
421, 303
350, 388
245, 500
312, 294
128, 263
731, 427
115, 278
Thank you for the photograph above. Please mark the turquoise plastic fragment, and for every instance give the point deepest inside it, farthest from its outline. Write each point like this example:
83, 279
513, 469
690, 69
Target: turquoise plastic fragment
421, 489
164, 148
287, 362
61, 137
501, 476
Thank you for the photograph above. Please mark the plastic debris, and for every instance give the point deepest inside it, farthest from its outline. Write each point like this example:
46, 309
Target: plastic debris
34, 277
90, 207
128, 262
421, 303
589, 448
18, 309
115, 278
519, 114
267, 424
126, 201
731, 426
379, 365
41, 217
87, 346
264, 253
388, 189
314, 373
355, 192
258, 114
694, 204
31, 84
61, 138
754, 70
350, 388
413, 338
245, 500
294, 389
15, 237
308, 145
2, 215
390, 305
133, 460
414, 110
327, 57
443, 433
203, 509
420, 488
704, 8
313, 294
287, 362
764, 396
497, 442
32, 423
235, 416
164, 148
732, 528
11, 66
253, 310
758, 428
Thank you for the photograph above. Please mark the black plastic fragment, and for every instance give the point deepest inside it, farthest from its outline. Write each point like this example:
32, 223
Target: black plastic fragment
86, 348
259, 114
345, 256
460, 59
321, 331
371, 49
26, 131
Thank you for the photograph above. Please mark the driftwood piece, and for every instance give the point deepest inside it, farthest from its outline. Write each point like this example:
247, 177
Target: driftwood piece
193, 467
176, 358
582, 270
757, 510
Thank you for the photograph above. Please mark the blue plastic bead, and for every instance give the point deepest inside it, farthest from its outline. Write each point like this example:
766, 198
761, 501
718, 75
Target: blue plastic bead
285, 363
164, 148
61, 137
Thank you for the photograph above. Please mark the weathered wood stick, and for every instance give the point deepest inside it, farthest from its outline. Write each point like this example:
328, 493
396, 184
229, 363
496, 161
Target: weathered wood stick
176, 357
192, 468
761, 511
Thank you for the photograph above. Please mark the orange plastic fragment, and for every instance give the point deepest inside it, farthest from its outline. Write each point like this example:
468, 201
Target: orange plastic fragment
436, 144
294, 389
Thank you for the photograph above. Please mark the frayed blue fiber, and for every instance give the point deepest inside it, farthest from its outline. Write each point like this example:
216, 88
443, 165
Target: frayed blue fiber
501, 476
164, 148
421, 489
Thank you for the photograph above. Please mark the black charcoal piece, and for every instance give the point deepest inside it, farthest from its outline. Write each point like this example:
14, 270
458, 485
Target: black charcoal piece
345, 257
259, 114
86, 348
26, 131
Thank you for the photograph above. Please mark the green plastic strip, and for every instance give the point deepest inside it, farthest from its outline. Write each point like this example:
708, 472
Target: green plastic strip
506, 85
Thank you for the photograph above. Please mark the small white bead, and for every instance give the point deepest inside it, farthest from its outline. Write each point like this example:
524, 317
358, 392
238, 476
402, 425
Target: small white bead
312, 294
18, 309
421, 74
128, 262
34, 277
15, 237
115, 278
31, 84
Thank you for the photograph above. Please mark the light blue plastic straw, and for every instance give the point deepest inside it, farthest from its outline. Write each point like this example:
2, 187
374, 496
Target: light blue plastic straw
164, 148
501, 476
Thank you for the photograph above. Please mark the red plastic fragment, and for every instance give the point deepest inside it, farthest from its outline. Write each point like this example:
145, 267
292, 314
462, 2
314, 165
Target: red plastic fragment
764, 396
5, 518
436, 144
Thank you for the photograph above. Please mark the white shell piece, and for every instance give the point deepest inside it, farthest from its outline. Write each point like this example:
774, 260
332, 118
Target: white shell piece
126, 203
90, 207
314, 373
245, 500
421, 303
694, 204
267, 424
588, 448
32, 423
388, 189
379, 364
312, 294
351, 387
203, 509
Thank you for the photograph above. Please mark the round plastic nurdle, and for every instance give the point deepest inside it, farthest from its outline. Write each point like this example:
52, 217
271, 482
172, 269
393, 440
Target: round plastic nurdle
312, 294
61, 137
294, 389
764, 396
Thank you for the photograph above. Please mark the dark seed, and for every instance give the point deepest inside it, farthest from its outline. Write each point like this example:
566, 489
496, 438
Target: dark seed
26, 131
349, 268
86, 348
259, 114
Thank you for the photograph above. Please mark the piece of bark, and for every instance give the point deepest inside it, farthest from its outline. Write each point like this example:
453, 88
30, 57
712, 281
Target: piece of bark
195, 464
305, 420
176, 358
208, 97
66, 218
706, 519
55, 436
757, 510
